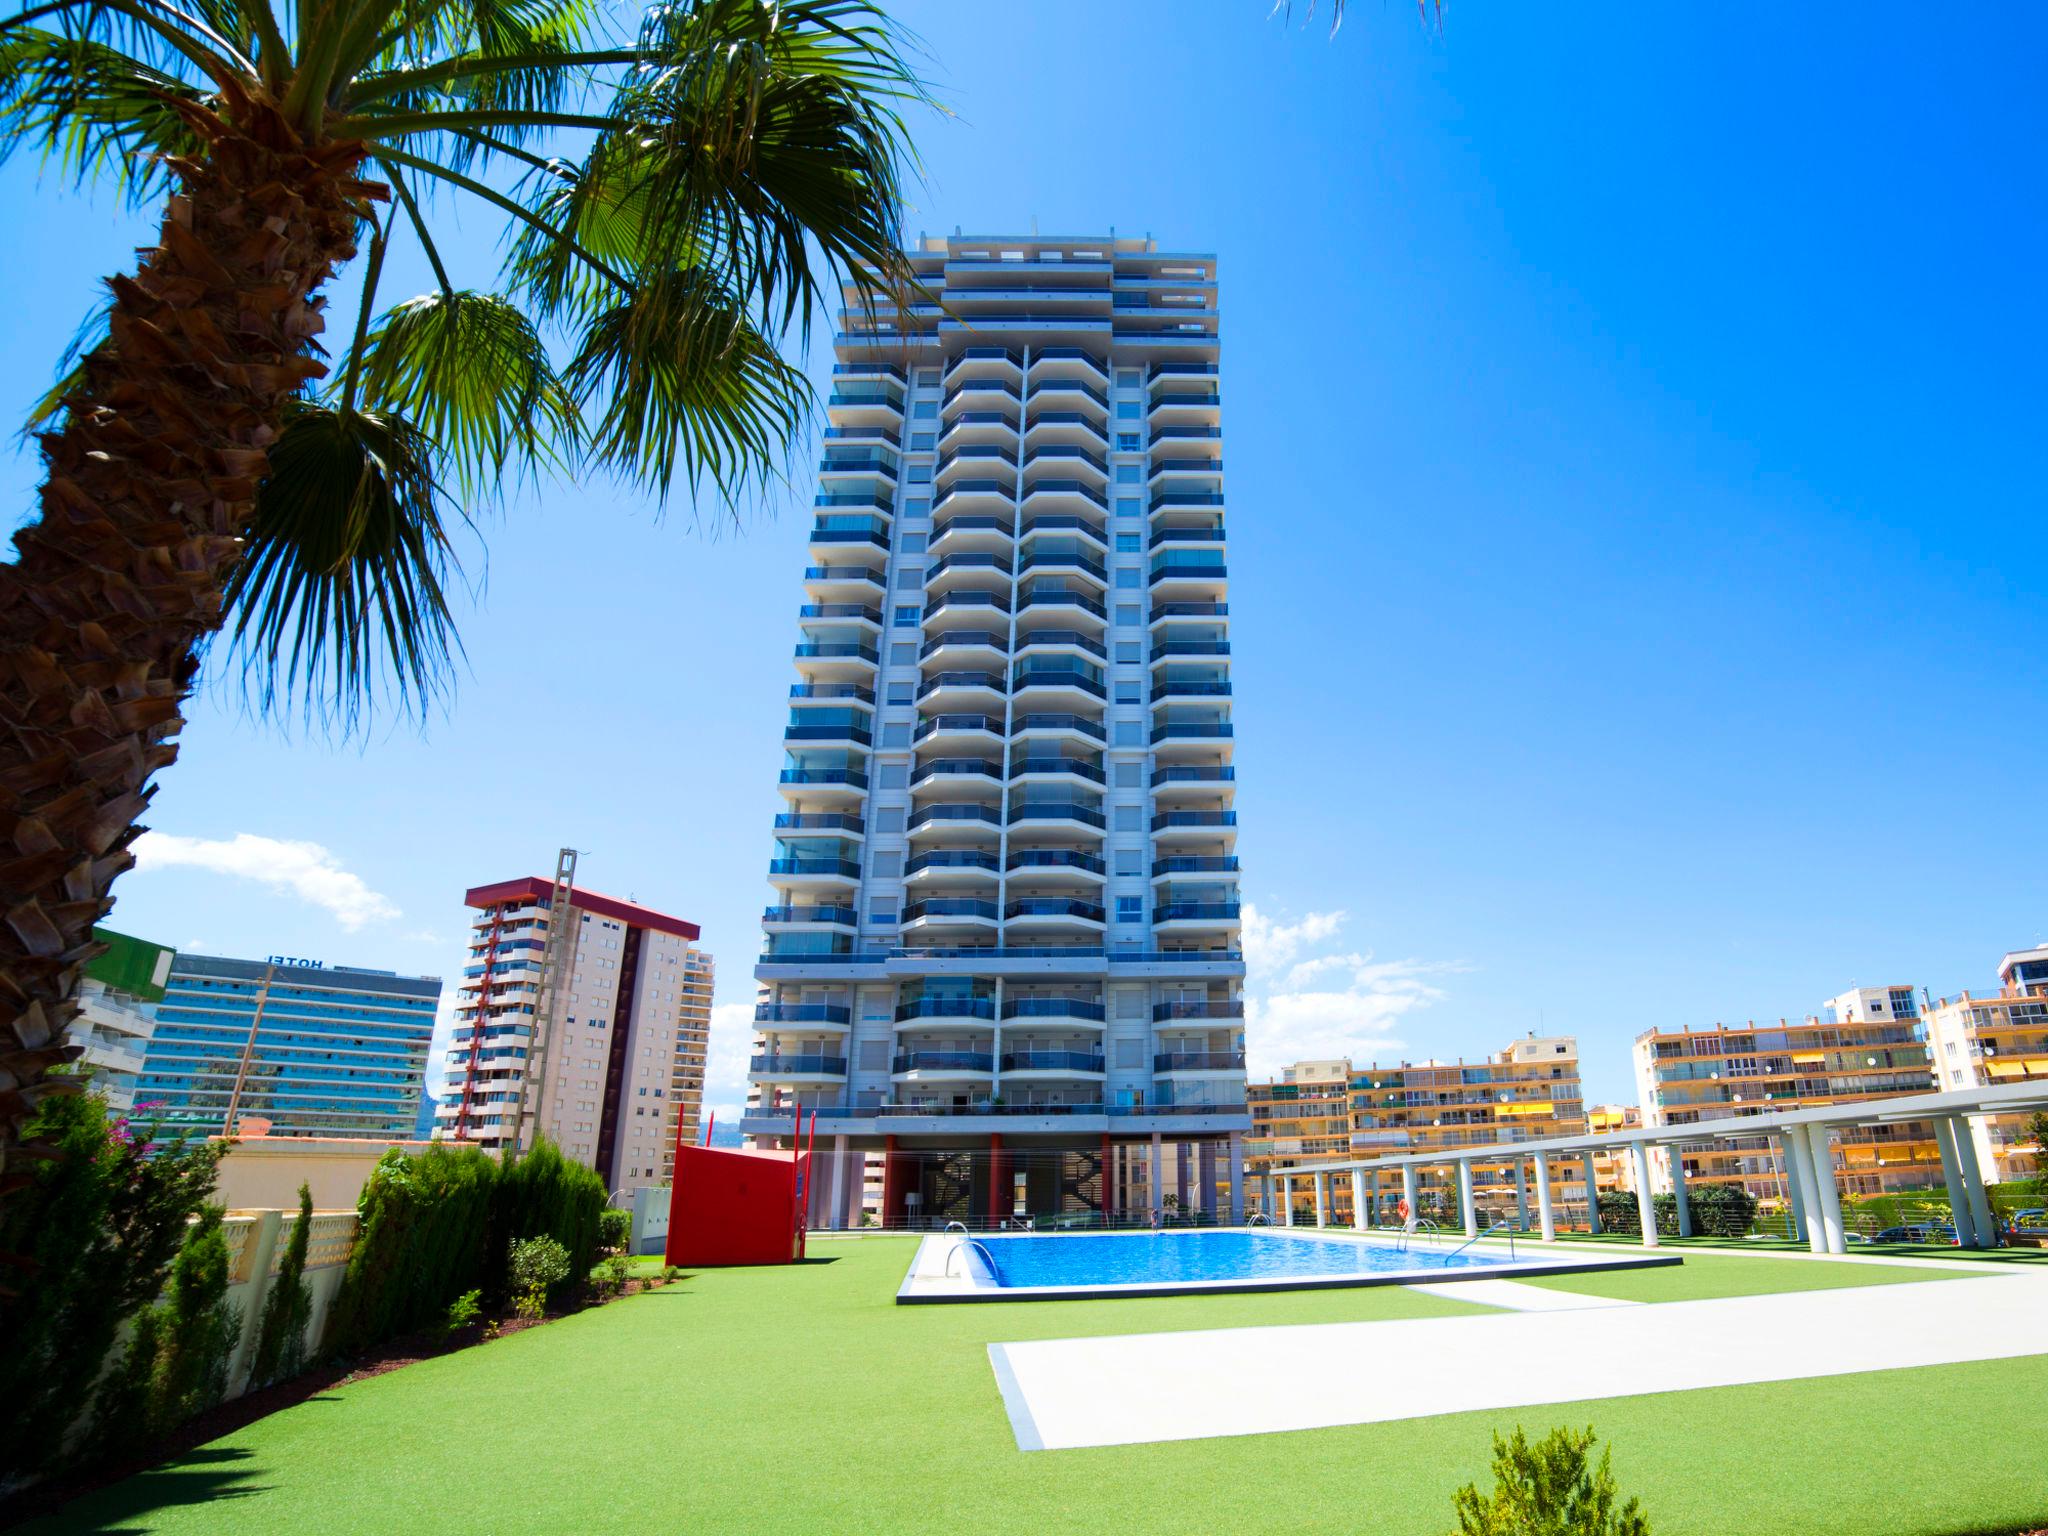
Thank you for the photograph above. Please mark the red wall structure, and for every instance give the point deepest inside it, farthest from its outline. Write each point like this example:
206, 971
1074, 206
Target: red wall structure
731, 1205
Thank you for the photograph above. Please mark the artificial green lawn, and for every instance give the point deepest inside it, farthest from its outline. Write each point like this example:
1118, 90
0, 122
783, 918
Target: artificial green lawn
803, 1400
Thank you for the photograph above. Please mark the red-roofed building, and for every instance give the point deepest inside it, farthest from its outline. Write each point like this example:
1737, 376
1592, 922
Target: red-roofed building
628, 1020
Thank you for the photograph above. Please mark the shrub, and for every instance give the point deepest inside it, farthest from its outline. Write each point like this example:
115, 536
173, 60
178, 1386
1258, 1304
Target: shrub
422, 1240
537, 1266
611, 1274
614, 1229
100, 1224
281, 1344
196, 1328
546, 1195
463, 1312
1718, 1210
1546, 1489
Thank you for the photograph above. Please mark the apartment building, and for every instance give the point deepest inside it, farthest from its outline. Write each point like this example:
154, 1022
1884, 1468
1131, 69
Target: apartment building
627, 1018
1980, 1040
117, 1014
291, 1045
1613, 1169
1002, 953
1299, 1121
1865, 1044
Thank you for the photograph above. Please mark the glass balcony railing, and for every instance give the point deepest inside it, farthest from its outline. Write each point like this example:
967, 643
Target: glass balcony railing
860, 735
941, 908
1197, 1009
972, 523
850, 868
818, 821
1188, 567
856, 399
1202, 864
857, 692
1194, 773
1162, 611
1057, 677
946, 1008
1061, 597
800, 1066
1197, 911
850, 777
840, 370
1187, 730
972, 560
1067, 387
965, 639
992, 724
979, 387
1065, 522
1190, 687
976, 767
1055, 1008
984, 355
976, 455
1170, 819
1055, 811
1066, 488
1025, 724
1170, 648
1021, 766
1052, 1061
1186, 398
1071, 639
836, 650
1173, 497
999, 419
853, 499
1213, 535
802, 1013
839, 611
971, 859
1054, 906
993, 681
1058, 455
1198, 1061
844, 916
926, 815
1054, 858
942, 1061
865, 573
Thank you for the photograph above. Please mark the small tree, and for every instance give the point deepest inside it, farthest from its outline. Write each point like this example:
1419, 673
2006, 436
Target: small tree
281, 1346
538, 1265
1546, 1489
614, 1229
195, 1329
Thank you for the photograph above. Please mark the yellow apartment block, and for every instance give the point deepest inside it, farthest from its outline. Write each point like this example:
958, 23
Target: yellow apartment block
1981, 1040
1613, 1170
1299, 1121
1866, 1044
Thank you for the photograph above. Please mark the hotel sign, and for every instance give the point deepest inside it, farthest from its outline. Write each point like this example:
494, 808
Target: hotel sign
304, 965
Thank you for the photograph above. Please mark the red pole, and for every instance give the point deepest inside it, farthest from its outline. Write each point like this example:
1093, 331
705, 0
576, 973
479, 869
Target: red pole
810, 1166
709, 1126
796, 1183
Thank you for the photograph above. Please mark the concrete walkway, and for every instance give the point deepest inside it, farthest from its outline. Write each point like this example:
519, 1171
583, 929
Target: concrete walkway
1130, 1389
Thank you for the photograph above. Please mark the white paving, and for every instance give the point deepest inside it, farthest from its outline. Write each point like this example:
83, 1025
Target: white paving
1517, 1296
1129, 1389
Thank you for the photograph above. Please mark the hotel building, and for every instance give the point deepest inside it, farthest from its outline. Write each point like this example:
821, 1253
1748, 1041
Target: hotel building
1865, 1044
1002, 949
311, 1049
628, 1016
1324, 1112
117, 1014
1613, 1169
1985, 1039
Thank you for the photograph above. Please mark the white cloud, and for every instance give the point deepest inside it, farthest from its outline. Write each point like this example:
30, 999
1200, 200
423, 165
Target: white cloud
725, 1059
1301, 1005
307, 870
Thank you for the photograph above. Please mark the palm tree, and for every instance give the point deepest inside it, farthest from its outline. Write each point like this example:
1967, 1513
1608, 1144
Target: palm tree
677, 198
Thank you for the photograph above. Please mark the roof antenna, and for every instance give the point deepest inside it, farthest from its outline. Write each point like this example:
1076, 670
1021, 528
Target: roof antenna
1034, 226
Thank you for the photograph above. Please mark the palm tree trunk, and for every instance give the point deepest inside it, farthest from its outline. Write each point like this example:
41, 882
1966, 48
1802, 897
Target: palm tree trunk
151, 480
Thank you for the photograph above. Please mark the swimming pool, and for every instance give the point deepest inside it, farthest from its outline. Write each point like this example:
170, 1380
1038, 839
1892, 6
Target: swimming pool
1032, 1268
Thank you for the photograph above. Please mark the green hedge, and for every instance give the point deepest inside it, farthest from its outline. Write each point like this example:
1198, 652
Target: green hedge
1718, 1210
440, 1223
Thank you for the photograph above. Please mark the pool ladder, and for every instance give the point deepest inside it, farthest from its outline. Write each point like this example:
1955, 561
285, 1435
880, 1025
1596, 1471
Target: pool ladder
1499, 1226
961, 1247
1435, 1231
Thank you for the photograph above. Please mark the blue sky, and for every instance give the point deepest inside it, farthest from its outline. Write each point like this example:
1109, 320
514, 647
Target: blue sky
1635, 449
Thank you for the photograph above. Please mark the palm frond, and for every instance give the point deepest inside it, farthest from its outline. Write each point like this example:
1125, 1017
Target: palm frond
342, 592
469, 371
95, 111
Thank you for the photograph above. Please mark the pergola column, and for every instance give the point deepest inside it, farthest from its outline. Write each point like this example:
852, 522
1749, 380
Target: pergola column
1639, 1159
1521, 1195
1592, 1195
1801, 1148
1678, 1189
1322, 1187
1467, 1206
1830, 1201
1952, 1176
1795, 1192
1408, 1191
1365, 1192
1973, 1180
1546, 1218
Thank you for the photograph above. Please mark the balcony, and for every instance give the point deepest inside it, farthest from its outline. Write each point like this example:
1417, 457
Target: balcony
786, 1014
980, 363
1077, 362
1195, 912
1062, 678
881, 464
843, 575
1196, 864
978, 395
1174, 821
1192, 775
860, 735
979, 427
840, 869
837, 650
1167, 649
1056, 811
1050, 724
970, 605
863, 434
1068, 522
1061, 639
1054, 911
1067, 394
1197, 1061
1067, 495
935, 729
1083, 1008
826, 779
786, 1069
949, 772
1054, 766
1180, 685
1194, 566
1073, 428
957, 692
1065, 459
953, 821
941, 1064
1199, 1011
948, 912
983, 457
1211, 534
834, 917
951, 864
971, 531
1055, 1063
987, 496
1184, 407
963, 647
1190, 730
1053, 863
1162, 612
980, 1008
819, 821
1054, 598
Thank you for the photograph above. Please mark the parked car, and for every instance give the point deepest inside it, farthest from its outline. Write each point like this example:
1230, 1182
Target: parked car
1913, 1233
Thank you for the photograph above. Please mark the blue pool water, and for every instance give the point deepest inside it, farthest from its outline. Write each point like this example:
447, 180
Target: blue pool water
1168, 1258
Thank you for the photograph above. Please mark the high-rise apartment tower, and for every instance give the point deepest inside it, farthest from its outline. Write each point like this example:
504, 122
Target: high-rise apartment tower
1003, 947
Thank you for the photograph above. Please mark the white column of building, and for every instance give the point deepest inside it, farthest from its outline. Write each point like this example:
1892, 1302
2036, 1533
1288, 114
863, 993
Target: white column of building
1467, 1206
1521, 1196
1322, 1185
1952, 1177
1546, 1218
1830, 1199
1973, 1183
1408, 1191
1639, 1159
1795, 1194
1592, 1196
1673, 1154
1237, 1178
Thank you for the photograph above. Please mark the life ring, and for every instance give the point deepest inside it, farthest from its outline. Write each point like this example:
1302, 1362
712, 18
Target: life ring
1401, 1209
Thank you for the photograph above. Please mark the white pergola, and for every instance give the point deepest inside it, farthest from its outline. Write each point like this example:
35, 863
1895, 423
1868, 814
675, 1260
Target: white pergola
1802, 1141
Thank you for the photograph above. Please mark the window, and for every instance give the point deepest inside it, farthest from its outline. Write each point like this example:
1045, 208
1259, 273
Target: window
900, 693
1127, 578
1130, 861
1130, 1005
1130, 693
887, 866
913, 543
1127, 506
881, 912
1129, 733
903, 654
1127, 378
1130, 776
927, 378
923, 442
1127, 653
1127, 442
909, 578
1127, 615
1127, 818
874, 1055
1130, 1053
892, 776
1128, 474
1128, 410
921, 474
889, 819
916, 509
925, 410
908, 617
1130, 543
896, 734
1130, 909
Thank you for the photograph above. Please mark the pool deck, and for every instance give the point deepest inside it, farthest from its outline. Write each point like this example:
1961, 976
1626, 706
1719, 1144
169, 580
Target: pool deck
1140, 1388
940, 1272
